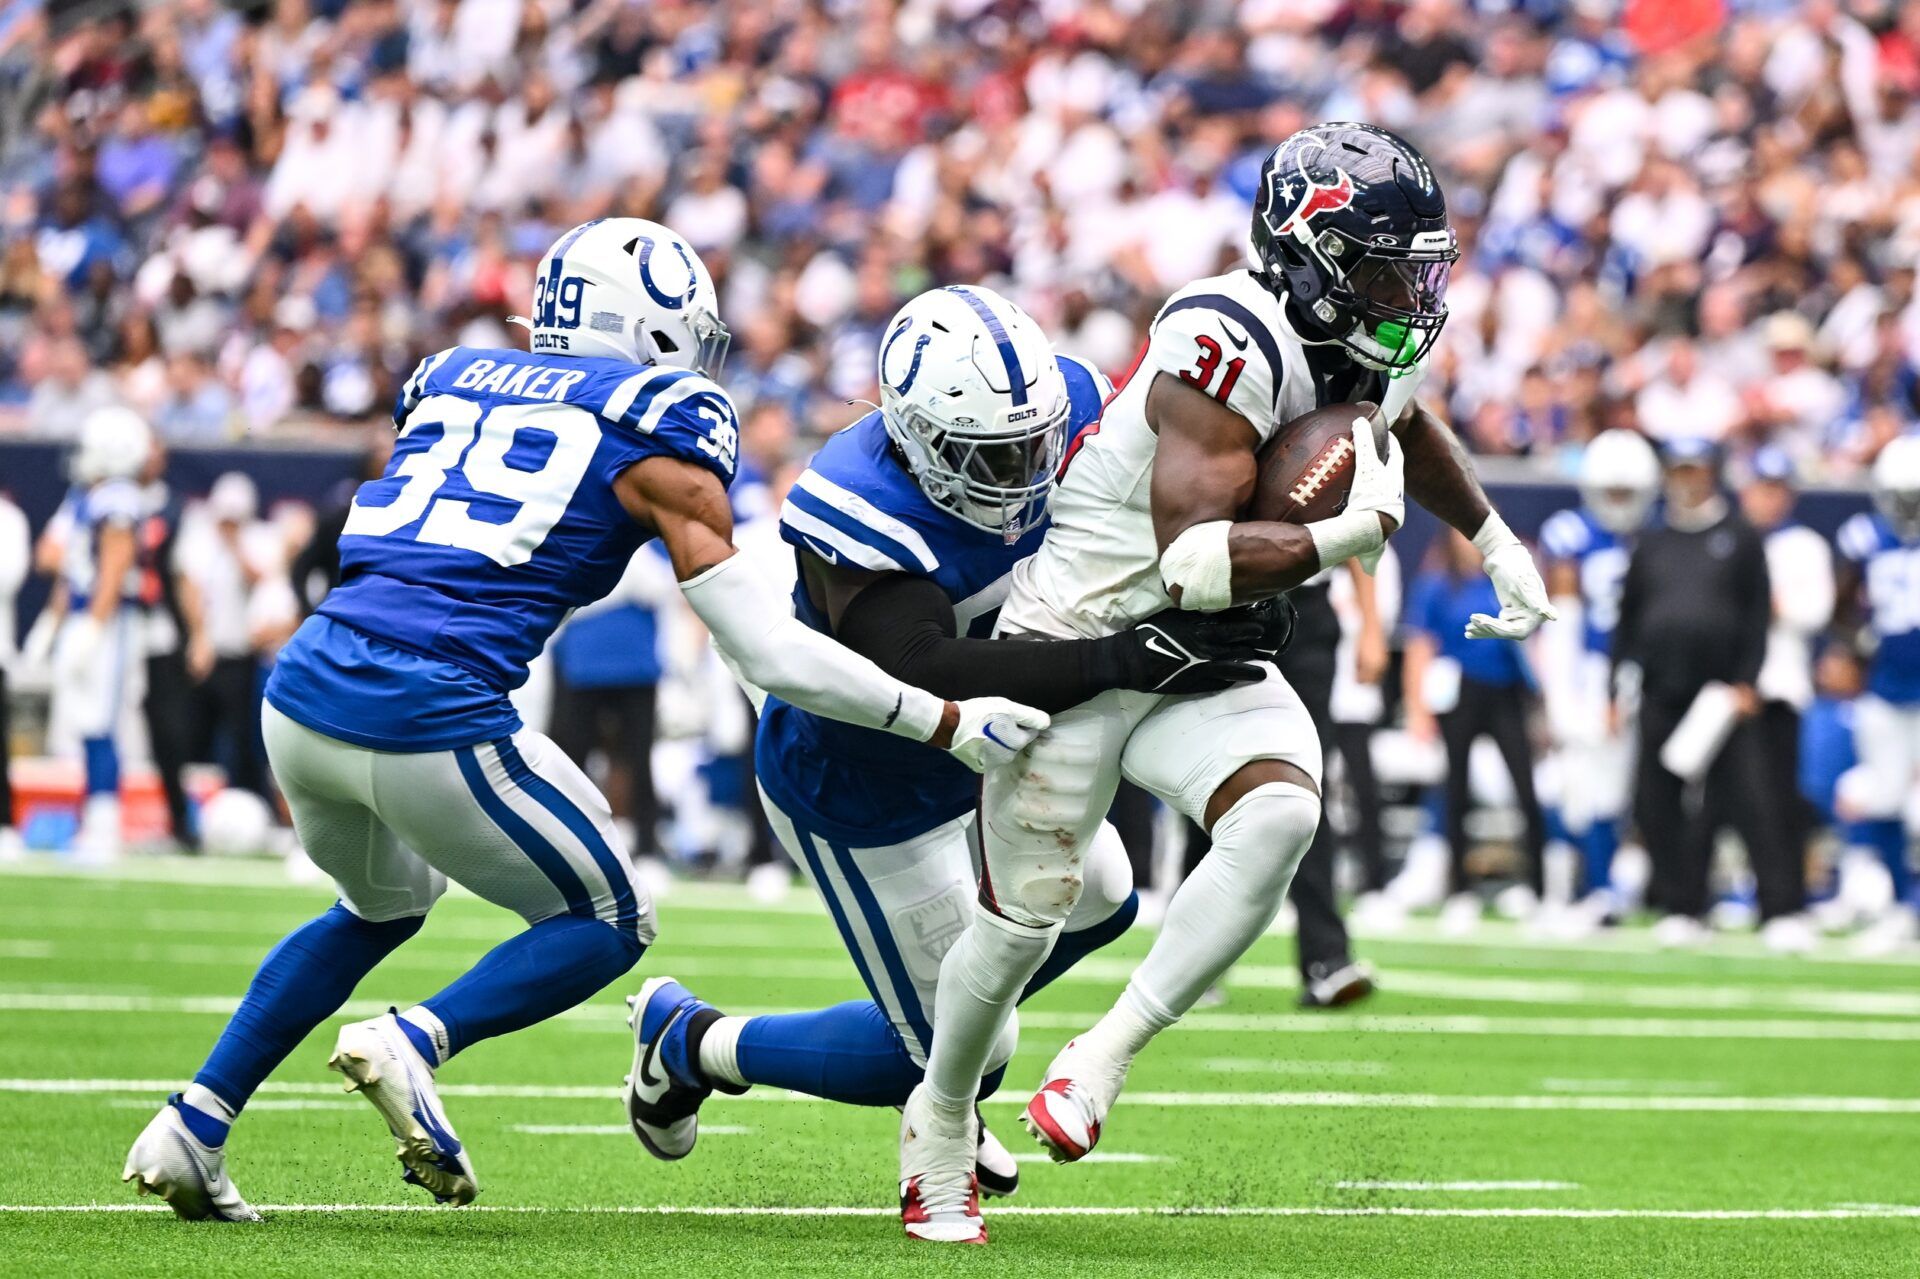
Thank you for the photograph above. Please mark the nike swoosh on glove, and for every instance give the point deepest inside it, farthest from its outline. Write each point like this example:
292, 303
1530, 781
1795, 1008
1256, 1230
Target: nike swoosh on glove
992, 730
1176, 651
1522, 595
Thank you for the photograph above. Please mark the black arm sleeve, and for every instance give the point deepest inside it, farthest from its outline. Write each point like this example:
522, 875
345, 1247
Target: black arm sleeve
904, 625
1756, 608
1626, 627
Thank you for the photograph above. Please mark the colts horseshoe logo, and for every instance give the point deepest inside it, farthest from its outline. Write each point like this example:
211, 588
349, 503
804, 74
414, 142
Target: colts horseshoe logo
919, 347
642, 249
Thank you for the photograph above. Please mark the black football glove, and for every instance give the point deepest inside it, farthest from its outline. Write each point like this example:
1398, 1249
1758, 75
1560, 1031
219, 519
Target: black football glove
1176, 651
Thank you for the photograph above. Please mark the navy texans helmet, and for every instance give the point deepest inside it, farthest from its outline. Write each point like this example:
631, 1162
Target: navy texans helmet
1350, 221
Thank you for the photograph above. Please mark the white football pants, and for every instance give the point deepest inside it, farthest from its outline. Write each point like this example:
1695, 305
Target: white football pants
1885, 782
1041, 812
514, 820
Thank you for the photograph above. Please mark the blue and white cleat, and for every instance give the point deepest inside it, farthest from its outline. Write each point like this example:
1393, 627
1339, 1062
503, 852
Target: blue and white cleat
381, 1063
664, 1091
168, 1160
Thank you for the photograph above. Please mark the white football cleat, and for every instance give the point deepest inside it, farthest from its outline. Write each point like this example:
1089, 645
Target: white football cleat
939, 1193
169, 1161
381, 1064
1071, 1104
1789, 935
1460, 916
1890, 934
1681, 932
663, 1104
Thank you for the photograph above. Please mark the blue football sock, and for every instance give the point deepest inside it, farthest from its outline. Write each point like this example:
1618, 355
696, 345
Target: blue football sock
848, 1053
1600, 843
1889, 840
534, 975
302, 982
103, 766
1071, 948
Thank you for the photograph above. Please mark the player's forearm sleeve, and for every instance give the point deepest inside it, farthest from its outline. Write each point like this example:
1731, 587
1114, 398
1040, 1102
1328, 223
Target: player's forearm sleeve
905, 624
761, 640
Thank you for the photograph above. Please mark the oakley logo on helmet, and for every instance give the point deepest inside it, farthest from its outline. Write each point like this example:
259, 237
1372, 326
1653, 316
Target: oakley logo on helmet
1320, 199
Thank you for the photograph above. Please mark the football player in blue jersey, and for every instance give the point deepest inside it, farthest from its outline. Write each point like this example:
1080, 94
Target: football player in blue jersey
1586, 551
520, 485
907, 527
1880, 552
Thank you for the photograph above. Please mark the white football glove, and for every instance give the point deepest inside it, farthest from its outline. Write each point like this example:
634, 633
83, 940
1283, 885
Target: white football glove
1516, 583
992, 730
1379, 484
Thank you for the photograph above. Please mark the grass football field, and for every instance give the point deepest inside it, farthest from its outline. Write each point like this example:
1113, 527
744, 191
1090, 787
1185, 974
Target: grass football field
1501, 1108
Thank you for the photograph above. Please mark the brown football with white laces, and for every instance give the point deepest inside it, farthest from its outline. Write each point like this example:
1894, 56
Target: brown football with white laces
1306, 468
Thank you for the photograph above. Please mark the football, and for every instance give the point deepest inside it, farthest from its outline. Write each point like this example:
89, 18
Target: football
1307, 467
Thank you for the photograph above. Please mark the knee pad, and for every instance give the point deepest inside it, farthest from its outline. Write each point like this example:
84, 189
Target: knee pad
1267, 832
1107, 881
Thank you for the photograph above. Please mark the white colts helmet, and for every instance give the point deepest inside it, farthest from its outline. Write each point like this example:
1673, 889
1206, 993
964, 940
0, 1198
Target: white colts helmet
1896, 485
971, 395
1619, 477
114, 444
627, 289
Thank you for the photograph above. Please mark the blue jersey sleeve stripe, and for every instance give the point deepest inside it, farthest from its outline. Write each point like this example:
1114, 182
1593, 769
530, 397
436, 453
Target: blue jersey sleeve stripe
856, 512
854, 533
1001, 339
813, 534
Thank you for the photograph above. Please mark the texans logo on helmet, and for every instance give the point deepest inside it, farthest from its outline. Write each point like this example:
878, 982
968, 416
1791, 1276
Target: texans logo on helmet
1320, 199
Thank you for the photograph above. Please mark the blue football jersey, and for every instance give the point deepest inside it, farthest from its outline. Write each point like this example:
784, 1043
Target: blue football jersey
1890, 571
86, 512
857, 505
495, 518
1599, 556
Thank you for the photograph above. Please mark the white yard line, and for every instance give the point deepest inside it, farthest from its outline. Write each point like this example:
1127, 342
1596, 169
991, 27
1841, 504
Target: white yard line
1802, 1105
1858, 1213
1690, 997
1670, 1086
1238, 1023
1460, 1186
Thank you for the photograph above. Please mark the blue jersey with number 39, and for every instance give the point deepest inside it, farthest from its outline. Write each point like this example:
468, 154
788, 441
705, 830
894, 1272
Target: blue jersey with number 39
496, 517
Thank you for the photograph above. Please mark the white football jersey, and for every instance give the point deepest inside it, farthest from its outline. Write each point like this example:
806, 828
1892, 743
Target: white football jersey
1098, 571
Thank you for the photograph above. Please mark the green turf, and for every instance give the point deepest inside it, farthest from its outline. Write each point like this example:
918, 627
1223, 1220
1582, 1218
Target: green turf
1723, 1082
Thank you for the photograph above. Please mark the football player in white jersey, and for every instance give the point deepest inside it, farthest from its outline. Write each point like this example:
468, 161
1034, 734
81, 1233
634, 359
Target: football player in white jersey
1353, 244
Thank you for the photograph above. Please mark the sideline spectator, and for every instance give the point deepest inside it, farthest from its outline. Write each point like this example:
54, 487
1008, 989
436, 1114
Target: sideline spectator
1694, 613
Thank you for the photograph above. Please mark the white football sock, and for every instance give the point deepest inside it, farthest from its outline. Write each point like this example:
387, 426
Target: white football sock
720, 1049
208, 1102
1228, 901
1127, 1027
423, 1019
980, 979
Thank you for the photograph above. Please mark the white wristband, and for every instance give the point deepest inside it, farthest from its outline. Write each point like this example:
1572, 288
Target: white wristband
1493, 535
1199, 563
1346, 535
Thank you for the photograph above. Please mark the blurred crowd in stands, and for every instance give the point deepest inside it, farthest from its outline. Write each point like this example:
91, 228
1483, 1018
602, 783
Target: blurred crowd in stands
1679, 215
